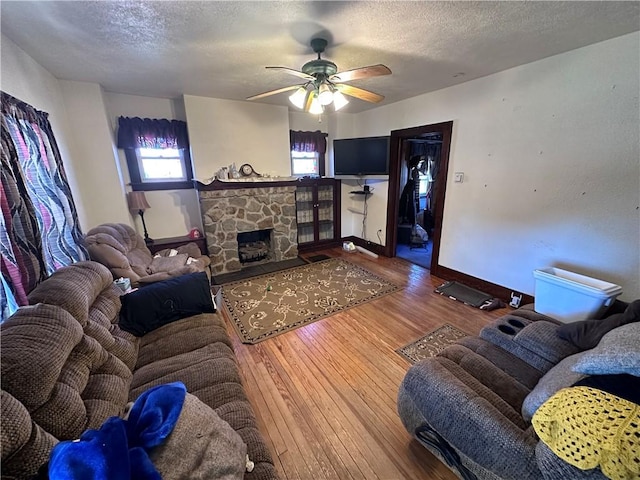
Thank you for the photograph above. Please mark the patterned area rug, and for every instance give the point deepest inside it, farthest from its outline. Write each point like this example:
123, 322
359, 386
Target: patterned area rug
268, 305
432, 343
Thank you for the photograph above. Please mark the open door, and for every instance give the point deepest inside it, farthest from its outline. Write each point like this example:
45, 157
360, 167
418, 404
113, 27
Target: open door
401, 154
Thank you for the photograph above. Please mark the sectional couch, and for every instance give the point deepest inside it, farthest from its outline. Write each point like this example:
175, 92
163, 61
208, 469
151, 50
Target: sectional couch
67, 367
530, 399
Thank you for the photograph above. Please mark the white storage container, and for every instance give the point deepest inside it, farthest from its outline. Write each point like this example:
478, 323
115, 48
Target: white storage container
571, 297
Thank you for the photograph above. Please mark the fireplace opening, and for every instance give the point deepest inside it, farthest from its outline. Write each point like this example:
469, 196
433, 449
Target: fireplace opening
254, 246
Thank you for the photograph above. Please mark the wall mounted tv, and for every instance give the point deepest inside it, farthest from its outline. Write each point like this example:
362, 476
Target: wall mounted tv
358, 157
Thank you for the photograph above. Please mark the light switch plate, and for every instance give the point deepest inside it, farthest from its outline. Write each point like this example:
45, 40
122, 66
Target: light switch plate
458, 177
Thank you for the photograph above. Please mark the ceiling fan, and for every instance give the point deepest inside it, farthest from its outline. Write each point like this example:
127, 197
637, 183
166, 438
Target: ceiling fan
324, 84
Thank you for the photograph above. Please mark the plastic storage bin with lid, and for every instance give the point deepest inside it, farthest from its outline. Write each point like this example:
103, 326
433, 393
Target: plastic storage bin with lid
571, 297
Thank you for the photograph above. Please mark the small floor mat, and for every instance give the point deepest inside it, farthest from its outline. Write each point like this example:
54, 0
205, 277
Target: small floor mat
462, 293
432, 343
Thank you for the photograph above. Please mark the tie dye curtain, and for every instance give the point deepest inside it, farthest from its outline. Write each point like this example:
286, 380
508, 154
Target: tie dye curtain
39, 230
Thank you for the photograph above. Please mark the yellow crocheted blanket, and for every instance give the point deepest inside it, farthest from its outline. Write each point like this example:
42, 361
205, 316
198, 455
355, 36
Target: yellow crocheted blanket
589, 428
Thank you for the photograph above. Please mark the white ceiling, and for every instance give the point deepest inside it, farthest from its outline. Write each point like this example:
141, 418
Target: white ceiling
219, 49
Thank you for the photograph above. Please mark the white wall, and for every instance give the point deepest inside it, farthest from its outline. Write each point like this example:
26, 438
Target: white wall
222, 132
96, 169
26, 80
550, 153
173, 212
306, 122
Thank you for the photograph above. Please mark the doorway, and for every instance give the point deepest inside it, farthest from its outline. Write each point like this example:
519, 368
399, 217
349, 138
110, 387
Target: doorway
410, 150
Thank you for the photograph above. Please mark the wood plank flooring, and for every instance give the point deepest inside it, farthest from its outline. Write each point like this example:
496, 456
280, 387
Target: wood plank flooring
325, 394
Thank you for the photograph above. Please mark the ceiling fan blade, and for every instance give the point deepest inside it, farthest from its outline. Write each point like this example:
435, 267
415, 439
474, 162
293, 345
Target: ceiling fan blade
360, 93
358, 73
307, 105
274, 92
291, 71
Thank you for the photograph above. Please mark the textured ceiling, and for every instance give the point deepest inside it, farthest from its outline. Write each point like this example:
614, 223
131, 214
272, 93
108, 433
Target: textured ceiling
219, 49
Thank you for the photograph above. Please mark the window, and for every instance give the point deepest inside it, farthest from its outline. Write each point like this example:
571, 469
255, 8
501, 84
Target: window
157, 152
161, 164
304, 163
159, 168
307, 152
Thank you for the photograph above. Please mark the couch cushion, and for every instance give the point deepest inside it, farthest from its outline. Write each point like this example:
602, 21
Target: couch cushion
74, 288
67, 381
617, 352
182, 336
213, 364
36, 342
501, 383
198, 351
86, 290
436, 387
505, 361
559, 377
160, 303
25, 445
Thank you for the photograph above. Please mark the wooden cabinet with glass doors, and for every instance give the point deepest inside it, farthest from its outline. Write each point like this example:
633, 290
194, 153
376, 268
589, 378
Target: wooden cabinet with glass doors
318, 213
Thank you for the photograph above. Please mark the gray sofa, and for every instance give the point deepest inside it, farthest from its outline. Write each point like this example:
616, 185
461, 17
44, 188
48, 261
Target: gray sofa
471, 405
67, 366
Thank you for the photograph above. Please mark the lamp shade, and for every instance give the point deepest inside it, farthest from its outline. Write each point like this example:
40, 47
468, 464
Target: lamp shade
339, 100
137, 201
325, 95
299, 97
316, 107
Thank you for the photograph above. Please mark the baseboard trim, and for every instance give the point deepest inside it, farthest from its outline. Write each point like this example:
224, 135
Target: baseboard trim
495, 290
373, 247
318, 246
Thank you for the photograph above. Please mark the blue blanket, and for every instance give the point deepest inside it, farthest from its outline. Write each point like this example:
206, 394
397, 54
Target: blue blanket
120, 448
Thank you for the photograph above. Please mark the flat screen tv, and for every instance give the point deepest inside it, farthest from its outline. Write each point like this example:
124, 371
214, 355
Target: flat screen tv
361, 157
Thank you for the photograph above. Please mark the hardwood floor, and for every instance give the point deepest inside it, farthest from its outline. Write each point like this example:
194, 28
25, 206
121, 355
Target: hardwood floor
325, 394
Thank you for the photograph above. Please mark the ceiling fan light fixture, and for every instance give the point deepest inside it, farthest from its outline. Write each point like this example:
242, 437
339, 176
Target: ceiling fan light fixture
316, 106
325, 95
299, 97
339, 100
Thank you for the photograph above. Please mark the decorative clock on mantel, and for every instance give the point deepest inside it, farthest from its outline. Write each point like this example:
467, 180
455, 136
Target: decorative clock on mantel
247, 170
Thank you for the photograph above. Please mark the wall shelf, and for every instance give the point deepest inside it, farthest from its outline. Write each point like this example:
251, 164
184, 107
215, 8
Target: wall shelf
355, 210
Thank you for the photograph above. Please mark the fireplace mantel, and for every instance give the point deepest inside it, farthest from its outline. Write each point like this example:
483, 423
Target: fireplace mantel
248, 183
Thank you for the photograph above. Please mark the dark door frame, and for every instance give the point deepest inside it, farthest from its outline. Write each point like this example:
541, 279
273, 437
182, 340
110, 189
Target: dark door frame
396, 153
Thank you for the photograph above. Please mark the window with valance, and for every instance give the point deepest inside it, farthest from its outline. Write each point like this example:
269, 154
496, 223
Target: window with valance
157, 153
308, 151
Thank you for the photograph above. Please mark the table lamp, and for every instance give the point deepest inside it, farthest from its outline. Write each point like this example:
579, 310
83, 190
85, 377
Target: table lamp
138, 202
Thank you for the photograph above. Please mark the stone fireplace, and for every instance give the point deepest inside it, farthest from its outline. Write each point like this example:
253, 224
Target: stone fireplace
232, 208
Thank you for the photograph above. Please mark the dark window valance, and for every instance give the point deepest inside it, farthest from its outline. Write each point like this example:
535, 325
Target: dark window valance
308, 141
151, 133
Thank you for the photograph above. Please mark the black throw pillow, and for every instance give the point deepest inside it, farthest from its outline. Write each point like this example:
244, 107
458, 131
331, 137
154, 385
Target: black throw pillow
586, 334
159, 303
